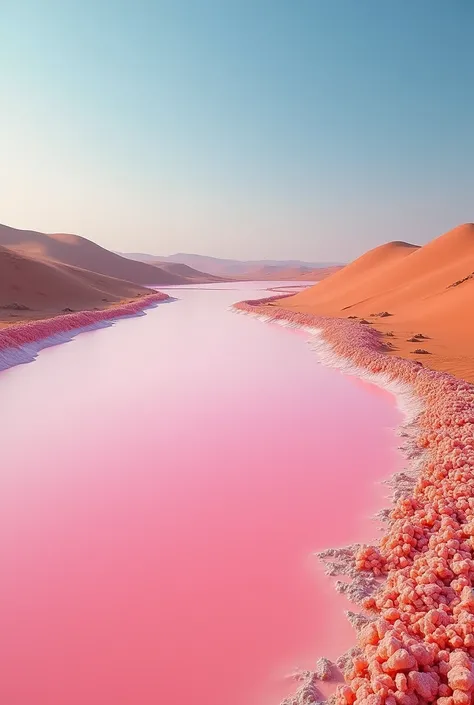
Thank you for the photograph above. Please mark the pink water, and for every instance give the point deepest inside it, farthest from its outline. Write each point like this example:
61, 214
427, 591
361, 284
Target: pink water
164, 483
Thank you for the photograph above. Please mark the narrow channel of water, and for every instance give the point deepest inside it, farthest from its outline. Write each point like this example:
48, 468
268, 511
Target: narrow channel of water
164, 483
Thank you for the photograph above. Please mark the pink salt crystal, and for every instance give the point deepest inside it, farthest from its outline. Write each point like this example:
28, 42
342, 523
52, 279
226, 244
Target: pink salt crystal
388, 646
460, 697
424, 684
373, 700
460, 678
369, 635
346, 692
444, 690
382, 681
401, 682
459, 658
405, 698
422, 655
401, 660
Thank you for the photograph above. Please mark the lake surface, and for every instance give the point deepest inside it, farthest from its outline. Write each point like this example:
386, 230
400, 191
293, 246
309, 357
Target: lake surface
164, 484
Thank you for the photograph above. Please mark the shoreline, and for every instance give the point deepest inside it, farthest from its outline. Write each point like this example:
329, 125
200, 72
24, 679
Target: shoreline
413, 644
20, 342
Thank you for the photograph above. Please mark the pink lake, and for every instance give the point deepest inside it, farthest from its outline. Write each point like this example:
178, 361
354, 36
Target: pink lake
164, 485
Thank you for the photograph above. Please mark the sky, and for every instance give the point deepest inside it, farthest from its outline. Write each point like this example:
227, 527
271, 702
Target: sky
303, 129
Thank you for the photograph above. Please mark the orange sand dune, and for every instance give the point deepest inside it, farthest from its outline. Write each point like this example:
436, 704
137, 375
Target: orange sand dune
426, 290
190, 274
79, 252
33, 288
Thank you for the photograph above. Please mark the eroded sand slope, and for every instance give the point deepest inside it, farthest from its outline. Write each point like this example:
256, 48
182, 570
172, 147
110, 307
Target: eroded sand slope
427, 290
33, 288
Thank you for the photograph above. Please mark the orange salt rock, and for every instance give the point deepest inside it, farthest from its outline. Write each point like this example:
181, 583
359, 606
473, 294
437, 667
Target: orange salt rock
405, 698
369, 635
401, 660
346, 693
363, 692
459, 658
359, 664
444, 690
445, 701
460, 697
425, 684
388, 646
391, 614
374, 699
422, 655
461, 678
382, 681
401, 682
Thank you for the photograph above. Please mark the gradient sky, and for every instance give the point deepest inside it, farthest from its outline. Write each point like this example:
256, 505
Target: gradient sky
310, 129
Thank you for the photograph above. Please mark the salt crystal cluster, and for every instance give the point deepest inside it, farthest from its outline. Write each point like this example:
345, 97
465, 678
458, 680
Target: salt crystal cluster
419, 648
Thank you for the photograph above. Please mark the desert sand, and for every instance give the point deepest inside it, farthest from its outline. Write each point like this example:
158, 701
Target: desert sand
80, 252
427, 291
31, 289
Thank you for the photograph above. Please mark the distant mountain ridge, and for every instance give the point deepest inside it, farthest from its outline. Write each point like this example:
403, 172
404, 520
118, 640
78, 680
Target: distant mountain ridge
232, 267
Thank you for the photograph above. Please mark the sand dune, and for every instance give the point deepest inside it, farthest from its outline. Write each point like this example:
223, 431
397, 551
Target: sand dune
79, 252
426, 290
188, 273
33, 288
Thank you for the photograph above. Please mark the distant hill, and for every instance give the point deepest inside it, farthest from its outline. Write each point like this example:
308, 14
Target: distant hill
80, 252
35, 288
241, 269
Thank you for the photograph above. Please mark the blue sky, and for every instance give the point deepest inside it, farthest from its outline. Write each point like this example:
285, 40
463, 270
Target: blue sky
309, 129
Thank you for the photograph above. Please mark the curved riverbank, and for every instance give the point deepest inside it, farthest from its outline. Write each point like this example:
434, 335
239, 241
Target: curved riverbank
416, 641
20, 342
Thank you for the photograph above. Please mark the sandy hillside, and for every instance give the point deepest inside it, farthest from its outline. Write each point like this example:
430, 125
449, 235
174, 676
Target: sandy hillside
189, 274
79, 252
427, 290
32, 288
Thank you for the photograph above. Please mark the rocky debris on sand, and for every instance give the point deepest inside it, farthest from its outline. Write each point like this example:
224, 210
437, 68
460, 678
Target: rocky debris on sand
421, 351
461, 281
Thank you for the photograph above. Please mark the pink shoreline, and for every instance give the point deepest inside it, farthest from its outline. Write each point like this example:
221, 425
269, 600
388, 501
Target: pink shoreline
18, 334
416, 640
14, 337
